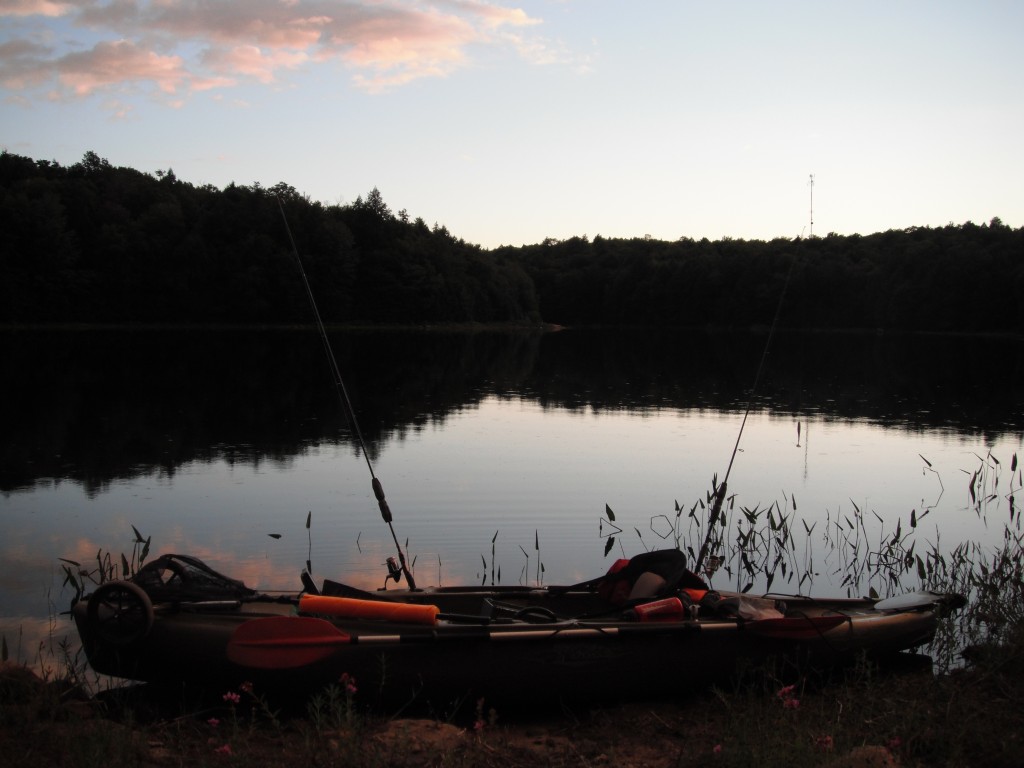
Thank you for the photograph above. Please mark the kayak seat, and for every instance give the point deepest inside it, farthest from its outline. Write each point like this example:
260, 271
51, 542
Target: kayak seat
661, 573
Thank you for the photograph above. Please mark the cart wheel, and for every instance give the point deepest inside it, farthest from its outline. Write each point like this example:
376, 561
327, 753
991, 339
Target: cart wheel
120, 613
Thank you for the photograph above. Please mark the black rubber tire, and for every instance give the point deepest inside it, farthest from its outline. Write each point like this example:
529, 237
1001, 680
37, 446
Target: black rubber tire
119, 613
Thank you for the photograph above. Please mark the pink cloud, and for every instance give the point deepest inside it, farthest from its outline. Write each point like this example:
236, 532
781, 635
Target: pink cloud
382, 45
118, 63
19, 64
252, 61
184, 46
46, 8
266, 23
495, 15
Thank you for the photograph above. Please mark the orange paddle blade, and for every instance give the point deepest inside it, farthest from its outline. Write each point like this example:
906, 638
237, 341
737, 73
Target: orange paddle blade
284, 642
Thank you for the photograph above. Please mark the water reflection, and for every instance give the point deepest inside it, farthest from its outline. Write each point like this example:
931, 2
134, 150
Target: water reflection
97, 406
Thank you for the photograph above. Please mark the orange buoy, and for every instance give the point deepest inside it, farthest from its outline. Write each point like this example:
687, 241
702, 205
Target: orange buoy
669, 609
351, 608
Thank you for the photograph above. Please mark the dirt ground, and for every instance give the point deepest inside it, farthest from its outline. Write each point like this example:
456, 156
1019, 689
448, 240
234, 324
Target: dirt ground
50, 724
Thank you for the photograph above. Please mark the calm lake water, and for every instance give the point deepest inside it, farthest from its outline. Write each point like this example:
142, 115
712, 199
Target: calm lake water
498, 451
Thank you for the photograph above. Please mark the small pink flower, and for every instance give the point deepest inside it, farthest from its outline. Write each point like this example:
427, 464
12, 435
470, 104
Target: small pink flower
348, 683
479, 725
245, 687
791, 704
224, 750
232, 697
825, 743
787, 692
717, 749
213, 722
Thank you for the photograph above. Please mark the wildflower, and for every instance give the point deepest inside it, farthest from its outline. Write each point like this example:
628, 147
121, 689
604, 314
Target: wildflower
789, 701
479, 724
213, 722
825, 743
245, 687
224, 750
232, 697
717, 749
348, 683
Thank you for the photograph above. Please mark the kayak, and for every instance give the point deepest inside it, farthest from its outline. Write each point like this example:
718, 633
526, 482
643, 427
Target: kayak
179, 621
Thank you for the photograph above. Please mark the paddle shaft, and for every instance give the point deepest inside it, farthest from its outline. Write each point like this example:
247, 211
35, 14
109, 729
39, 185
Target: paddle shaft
283, 629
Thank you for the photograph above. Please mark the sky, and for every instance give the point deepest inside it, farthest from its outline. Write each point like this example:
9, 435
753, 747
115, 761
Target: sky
513, 122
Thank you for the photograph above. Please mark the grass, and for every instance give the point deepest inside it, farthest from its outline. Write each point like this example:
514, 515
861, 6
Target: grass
972, 716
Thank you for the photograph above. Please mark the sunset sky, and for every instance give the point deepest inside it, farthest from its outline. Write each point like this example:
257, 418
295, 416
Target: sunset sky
511, 122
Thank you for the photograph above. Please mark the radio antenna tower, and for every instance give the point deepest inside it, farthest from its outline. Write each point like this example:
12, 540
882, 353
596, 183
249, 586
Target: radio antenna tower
811, 231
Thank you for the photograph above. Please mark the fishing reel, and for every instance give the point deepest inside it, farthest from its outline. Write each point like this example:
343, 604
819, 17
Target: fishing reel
394, 571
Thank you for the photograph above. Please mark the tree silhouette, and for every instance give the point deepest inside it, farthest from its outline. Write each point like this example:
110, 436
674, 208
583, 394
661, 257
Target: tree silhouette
97, 243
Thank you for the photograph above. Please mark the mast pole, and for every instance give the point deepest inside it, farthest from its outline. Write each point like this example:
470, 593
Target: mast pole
811, 232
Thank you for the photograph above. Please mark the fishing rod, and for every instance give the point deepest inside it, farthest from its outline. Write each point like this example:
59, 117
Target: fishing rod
346, 404
716, 509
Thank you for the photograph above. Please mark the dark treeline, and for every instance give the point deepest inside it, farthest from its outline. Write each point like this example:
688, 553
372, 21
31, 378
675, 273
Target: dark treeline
965, 278
94, 243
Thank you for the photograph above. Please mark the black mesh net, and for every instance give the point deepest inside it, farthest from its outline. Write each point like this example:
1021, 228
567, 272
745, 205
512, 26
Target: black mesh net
181, 578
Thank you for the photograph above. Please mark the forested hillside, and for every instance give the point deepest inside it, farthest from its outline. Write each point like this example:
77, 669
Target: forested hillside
94, 243
965, 277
